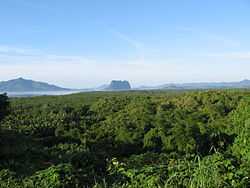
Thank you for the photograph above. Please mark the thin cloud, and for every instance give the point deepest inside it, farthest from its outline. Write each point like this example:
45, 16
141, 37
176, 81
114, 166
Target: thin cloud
138, 46
81, 72
11, 50
211, 36
85, 73
232, 55
124, 37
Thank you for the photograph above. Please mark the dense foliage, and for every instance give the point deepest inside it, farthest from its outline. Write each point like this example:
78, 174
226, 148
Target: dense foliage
4, 104
126, 139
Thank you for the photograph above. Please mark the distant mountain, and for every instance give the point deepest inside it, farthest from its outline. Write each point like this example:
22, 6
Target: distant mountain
24, 85
101, 88
118, 85
202, 85
216, 85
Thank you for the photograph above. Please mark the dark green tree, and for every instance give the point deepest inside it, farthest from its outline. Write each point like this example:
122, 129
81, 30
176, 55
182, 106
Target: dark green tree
4, 105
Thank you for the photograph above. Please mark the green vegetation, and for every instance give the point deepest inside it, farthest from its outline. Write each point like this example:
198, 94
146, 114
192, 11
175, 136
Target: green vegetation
4, 105
126, 139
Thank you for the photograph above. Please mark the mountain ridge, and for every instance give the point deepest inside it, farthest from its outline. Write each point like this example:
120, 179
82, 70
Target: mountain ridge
202, 85
26, 85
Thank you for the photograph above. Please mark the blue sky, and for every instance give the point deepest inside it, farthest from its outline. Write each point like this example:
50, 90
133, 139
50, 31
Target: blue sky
86, 43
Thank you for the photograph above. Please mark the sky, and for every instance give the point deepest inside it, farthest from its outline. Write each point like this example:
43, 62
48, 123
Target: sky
87, 43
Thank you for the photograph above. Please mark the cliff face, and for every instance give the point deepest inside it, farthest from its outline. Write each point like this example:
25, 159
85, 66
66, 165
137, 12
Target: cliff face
119, 85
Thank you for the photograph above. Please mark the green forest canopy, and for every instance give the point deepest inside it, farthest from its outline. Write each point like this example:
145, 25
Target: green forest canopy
126, 139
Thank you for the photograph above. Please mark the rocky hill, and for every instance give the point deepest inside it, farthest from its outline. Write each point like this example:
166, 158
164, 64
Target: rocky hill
119, 85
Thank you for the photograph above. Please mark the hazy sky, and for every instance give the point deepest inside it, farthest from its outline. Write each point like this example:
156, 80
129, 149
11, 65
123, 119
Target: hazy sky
86, 43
